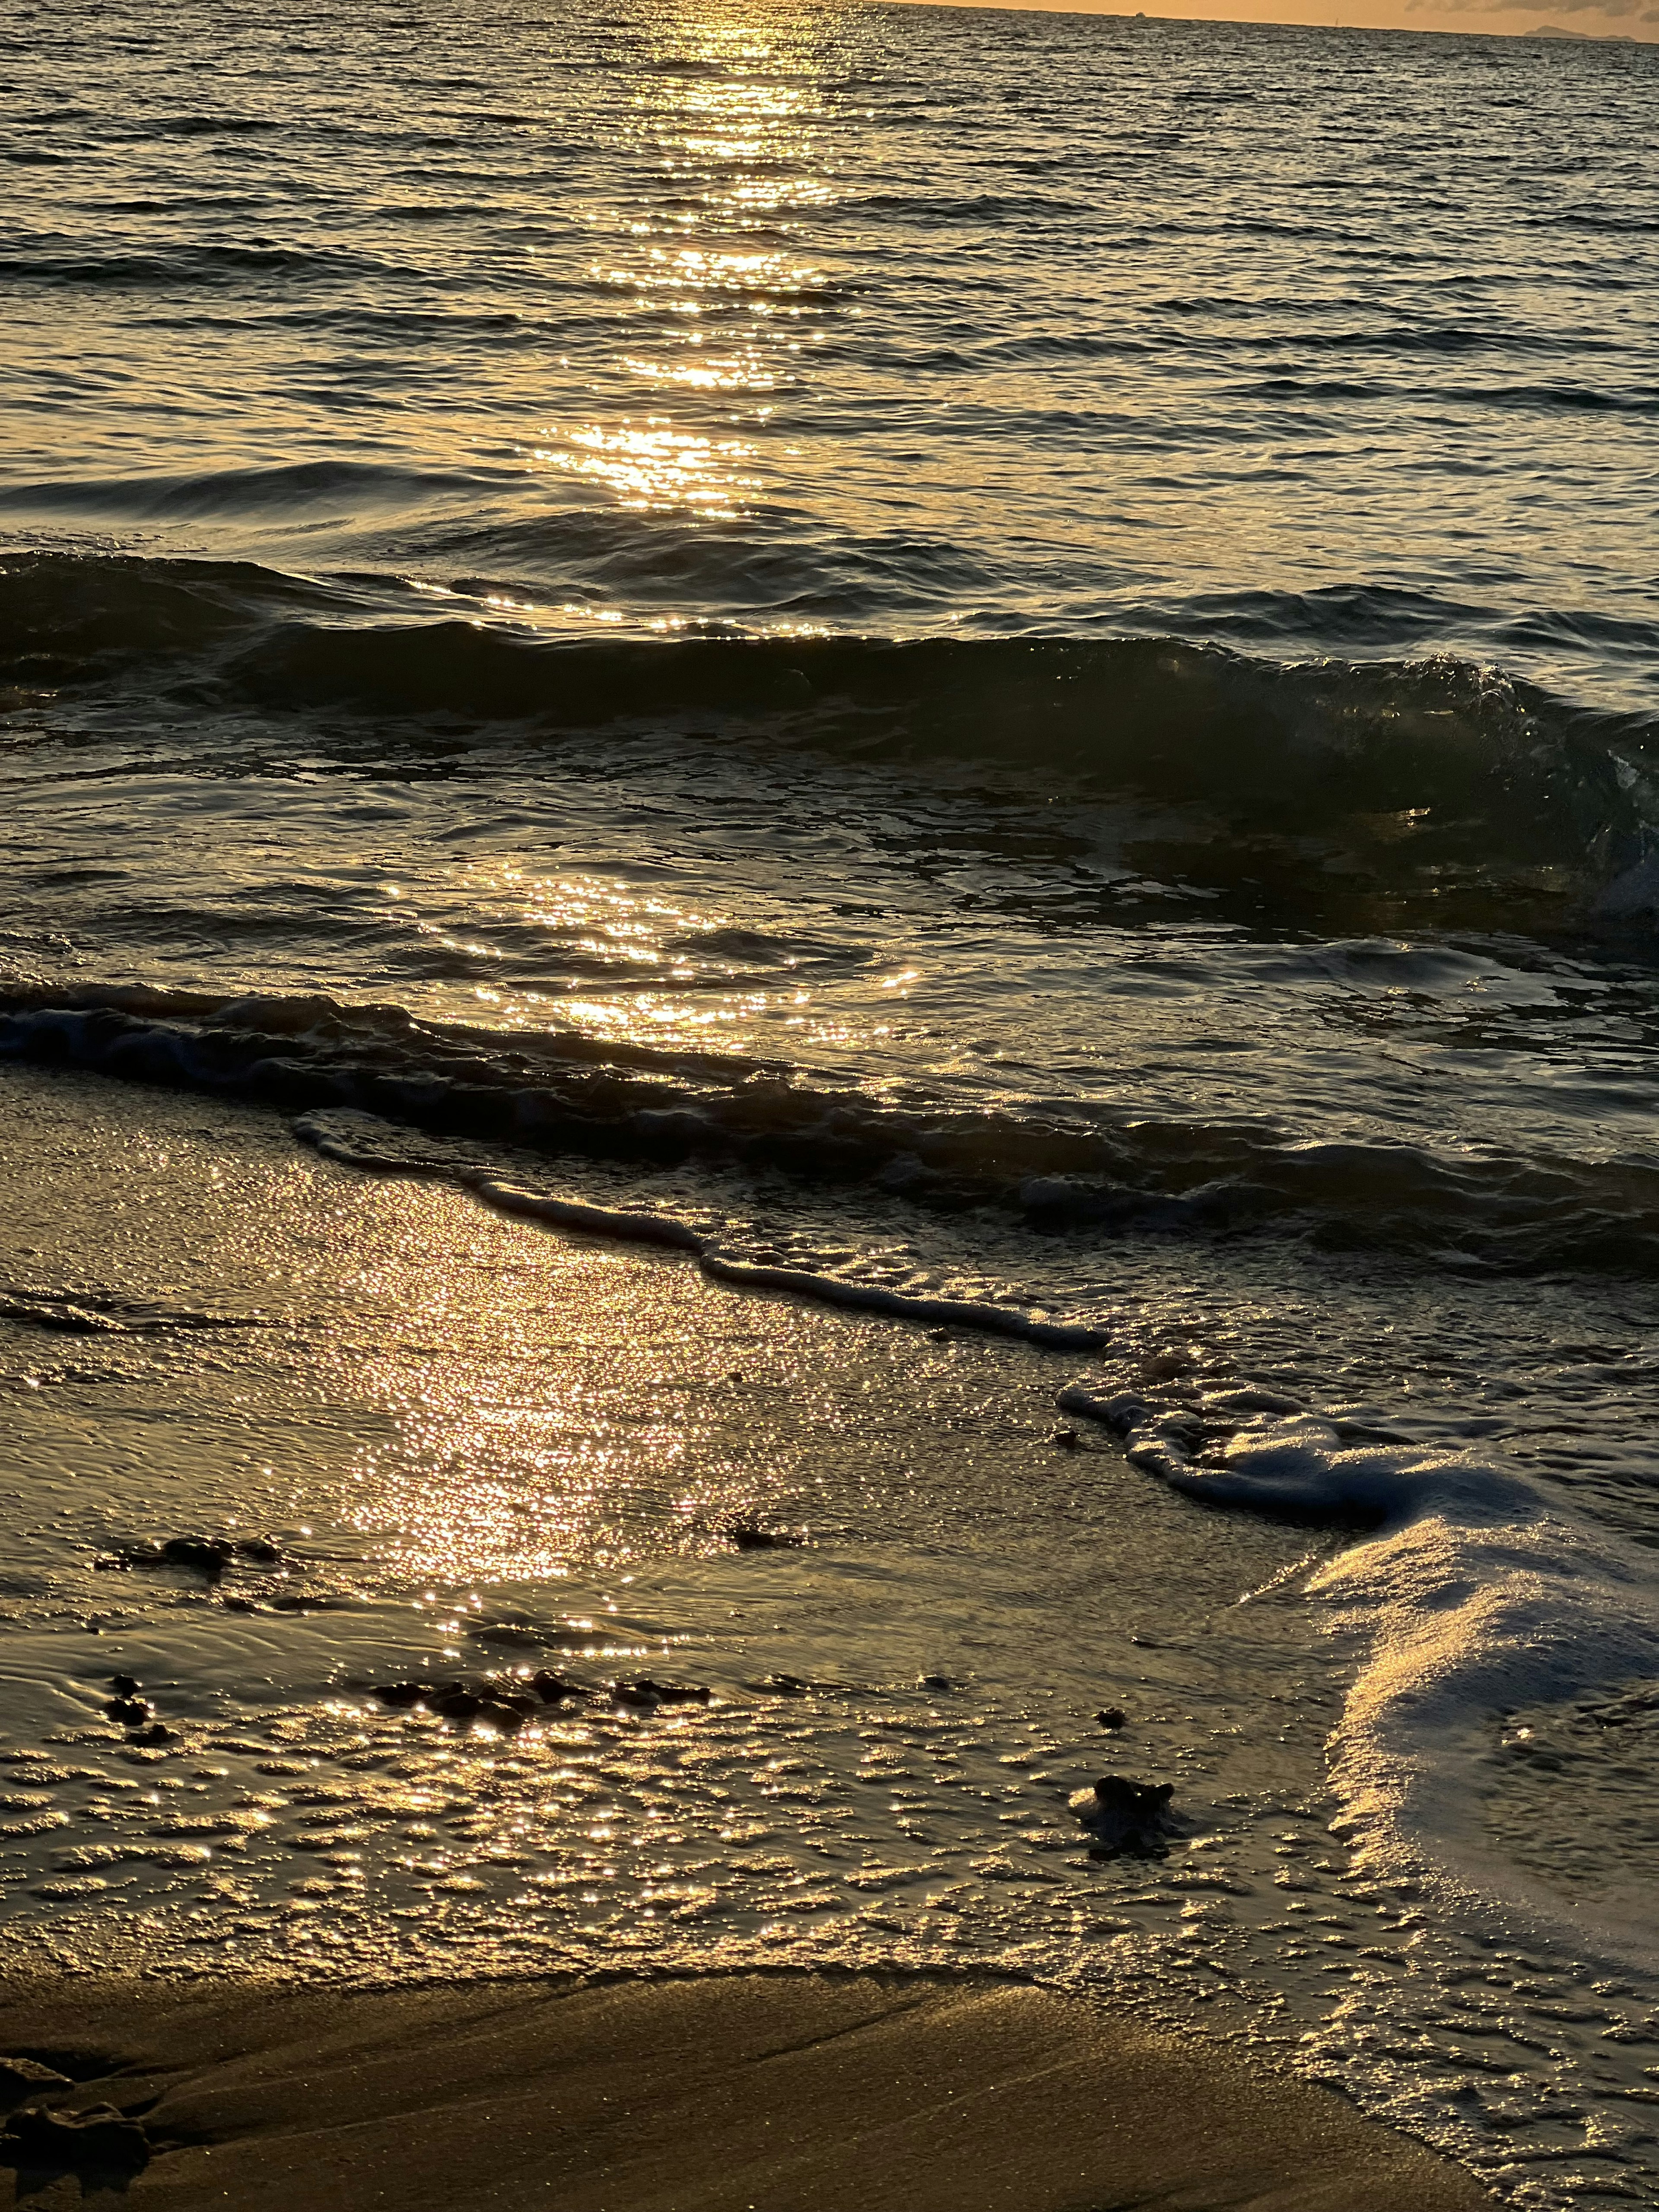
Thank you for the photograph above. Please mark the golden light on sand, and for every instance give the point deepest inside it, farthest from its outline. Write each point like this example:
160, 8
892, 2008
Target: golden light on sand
507, 1451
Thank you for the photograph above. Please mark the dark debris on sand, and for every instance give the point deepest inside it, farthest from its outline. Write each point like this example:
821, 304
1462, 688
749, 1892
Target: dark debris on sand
208, 1556
506, 1703
96, 2145
755, 1536
1124, 1817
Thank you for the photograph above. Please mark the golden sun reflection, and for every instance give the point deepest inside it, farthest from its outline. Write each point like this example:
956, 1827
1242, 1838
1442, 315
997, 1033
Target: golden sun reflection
719, 303
542, 1407
511, 1453
622, 963
651, 465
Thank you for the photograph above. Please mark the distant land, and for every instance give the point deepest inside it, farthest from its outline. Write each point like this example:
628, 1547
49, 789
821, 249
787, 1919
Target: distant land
1301, 14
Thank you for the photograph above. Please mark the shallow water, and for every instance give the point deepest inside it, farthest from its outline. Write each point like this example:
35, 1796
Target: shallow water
993, 671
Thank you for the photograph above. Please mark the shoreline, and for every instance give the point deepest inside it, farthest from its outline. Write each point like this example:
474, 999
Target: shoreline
837, 1791
782, 2092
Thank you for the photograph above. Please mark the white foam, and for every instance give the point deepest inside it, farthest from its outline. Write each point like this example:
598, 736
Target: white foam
1461, 1612
637, 1224
905, 1305
1477, 1595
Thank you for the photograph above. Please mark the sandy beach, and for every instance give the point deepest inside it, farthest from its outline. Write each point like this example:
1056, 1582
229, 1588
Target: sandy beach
184, 1931
739, 2093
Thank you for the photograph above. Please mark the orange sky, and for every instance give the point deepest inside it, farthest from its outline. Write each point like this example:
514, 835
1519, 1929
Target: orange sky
1638, 19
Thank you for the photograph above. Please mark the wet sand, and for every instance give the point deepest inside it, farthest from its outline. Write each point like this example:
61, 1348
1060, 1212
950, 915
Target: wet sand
773, 2091
723, 2093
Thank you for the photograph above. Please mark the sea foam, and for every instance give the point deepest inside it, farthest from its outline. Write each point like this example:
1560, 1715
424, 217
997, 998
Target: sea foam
1471, 1595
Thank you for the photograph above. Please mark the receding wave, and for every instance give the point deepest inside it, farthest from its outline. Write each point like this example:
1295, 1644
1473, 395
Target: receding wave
1109, 1167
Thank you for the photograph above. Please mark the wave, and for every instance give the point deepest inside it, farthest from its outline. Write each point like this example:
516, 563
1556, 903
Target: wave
637, 1225
239, 492
1475, 1595
190, 268
1108, 1168
1429, 779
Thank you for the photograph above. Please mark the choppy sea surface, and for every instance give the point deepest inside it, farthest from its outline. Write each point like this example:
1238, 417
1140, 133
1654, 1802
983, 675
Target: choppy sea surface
995, 677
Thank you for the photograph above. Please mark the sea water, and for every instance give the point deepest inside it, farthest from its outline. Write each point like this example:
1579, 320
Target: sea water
978, 689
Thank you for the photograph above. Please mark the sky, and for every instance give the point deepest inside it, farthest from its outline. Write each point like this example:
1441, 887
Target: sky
1629, 19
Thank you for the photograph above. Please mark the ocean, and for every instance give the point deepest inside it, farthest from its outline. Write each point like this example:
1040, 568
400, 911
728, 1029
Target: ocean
835, 860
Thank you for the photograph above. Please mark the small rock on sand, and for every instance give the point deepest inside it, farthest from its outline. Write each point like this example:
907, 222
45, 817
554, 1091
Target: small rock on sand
553, 1689
1121, 1815
207, 1555
751, 1536
400, 1696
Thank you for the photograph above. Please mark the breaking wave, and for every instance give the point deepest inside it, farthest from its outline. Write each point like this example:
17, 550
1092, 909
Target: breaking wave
1440, 770
1475, 1593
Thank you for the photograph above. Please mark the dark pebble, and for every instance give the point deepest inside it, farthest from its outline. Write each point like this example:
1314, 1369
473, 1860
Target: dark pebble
642, 1694
154, 1733
260, 1550
456, 1704
551, 1687
751, 1536
1123, 1816
207, 1555
934, 1682
496, 1713
1112, 1716
401, 1695
132, 1712
645, 1691
124, 1686
1066, 1438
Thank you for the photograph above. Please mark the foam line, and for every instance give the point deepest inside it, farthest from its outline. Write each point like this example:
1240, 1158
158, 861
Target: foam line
639, 1226
875, 1297
321, 1058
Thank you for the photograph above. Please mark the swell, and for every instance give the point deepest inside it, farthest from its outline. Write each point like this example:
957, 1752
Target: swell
1438, 771
1110, 1169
